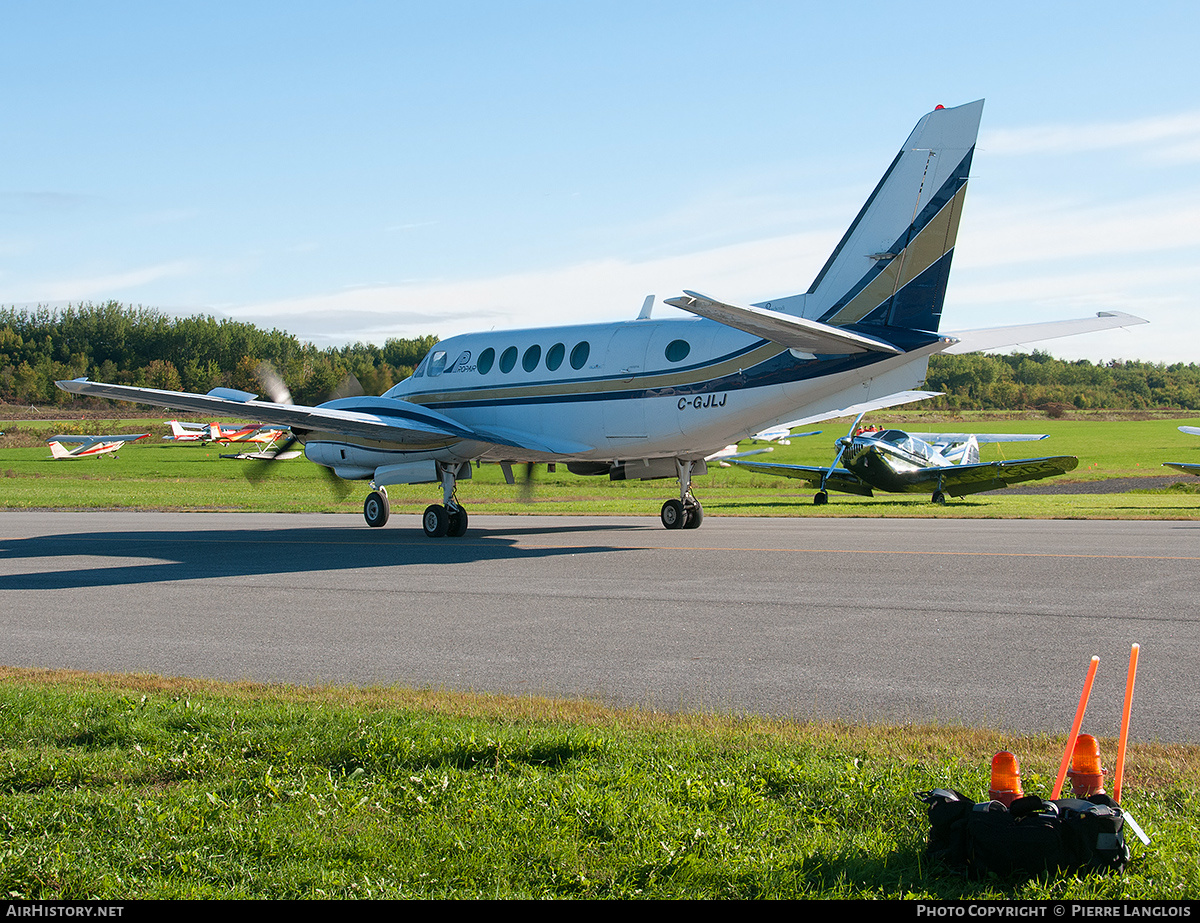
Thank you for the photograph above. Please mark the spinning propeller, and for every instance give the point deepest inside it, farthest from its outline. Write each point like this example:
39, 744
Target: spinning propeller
278, 392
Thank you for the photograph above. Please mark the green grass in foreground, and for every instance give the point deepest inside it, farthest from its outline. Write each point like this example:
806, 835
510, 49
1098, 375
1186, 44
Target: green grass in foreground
138, 787
156, 475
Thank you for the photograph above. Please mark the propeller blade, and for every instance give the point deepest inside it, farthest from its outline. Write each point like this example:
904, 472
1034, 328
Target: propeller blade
843, 444
527, 483
350, 387
276, 390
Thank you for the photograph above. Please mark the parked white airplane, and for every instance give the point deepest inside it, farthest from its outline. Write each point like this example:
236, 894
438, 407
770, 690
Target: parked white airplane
652, 398
83, 446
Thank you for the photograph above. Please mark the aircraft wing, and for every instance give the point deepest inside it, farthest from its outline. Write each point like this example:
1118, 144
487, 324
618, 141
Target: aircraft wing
1190, 430
797, 333
1184, 467
377, 418
958, 480
839, 479
970, 341
92, 440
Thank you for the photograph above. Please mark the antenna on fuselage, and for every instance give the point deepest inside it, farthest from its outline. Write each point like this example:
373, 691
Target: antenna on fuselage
647, 307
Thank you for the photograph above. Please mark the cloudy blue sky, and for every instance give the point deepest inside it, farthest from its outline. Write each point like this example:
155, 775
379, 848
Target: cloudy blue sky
360, 170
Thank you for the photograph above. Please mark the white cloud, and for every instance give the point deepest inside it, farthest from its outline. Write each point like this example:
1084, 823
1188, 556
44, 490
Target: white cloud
1180, 132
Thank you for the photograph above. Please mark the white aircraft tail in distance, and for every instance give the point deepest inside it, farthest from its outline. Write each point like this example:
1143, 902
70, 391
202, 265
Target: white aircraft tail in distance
655, 397
83, 446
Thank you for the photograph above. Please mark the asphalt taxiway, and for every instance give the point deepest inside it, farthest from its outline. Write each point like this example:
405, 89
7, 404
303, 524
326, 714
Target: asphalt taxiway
988, 622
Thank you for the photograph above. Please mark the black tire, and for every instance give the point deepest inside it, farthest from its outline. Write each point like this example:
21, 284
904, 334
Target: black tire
458, 523
436, 521
821, 498
673, 515
695, 516
939, 498
376, 509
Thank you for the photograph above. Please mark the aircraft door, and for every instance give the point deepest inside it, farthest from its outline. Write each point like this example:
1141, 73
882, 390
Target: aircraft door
624, 409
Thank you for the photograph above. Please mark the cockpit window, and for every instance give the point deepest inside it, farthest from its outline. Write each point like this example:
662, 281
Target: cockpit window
437, 363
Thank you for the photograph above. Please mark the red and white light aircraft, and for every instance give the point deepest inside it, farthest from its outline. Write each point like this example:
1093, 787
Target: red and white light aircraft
84, 446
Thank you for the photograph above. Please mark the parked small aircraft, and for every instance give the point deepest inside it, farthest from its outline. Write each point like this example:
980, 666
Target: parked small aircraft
89, 445
1184, 466
935, 463
213, 432
654, 398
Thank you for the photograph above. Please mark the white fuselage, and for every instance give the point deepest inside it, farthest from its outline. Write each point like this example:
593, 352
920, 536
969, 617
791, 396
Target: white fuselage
679, 388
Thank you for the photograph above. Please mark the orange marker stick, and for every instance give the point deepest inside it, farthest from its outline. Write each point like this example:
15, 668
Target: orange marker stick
1083, 699
1120, 771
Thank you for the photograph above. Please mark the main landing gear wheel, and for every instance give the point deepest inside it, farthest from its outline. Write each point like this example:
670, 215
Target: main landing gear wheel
673, 515
821, 498
436, 521
939, 498
695, 515
458, 523
376, 509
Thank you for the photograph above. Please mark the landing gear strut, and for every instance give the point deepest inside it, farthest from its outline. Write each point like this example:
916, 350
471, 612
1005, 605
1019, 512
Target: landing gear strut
686, 512
447, 518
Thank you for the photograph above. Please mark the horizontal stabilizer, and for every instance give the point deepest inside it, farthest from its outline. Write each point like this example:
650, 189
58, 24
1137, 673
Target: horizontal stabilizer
956, 438
970, 341
798, 333
1184, 467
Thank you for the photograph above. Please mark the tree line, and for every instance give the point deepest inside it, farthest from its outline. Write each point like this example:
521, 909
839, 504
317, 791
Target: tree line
120, 344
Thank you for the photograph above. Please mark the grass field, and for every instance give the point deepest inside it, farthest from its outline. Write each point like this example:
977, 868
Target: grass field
141, 787
137, 787
158, 475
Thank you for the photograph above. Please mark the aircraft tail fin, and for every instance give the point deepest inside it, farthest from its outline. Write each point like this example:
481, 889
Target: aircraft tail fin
58, 450
891, 266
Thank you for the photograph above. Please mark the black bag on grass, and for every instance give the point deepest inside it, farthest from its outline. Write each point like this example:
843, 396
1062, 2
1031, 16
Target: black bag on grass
1031, 837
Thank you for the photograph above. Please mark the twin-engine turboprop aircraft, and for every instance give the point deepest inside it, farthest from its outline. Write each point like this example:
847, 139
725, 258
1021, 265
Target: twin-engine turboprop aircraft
935, 463
653, 398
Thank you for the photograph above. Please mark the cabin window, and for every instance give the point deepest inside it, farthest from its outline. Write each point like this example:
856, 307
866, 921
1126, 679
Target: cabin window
508, 359
529, 361
487, 359
555, 355
579, 355
437, 363
677, 350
